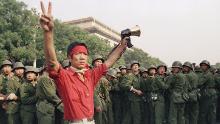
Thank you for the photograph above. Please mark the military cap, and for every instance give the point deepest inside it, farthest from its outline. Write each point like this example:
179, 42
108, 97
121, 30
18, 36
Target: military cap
177, 64
205, 62
213, 69
31, 69
135, 62
188, 64
197, 69
162, 65
122, 67
112, 72
6, 62
152, 67
218, 70
18, 65
97, 57
117, 70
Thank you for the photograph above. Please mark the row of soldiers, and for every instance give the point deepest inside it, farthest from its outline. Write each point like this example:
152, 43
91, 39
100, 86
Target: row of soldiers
134, 95
28, 96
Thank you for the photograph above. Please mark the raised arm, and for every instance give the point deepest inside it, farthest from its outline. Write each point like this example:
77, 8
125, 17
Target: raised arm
47, 25
116, 53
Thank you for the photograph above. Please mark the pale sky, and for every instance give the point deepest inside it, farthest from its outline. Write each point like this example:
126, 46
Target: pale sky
184, 30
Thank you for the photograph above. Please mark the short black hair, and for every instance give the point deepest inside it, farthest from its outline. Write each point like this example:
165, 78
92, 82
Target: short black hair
74, 44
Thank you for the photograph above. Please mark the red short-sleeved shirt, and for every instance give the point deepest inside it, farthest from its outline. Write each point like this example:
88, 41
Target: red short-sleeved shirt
77, 95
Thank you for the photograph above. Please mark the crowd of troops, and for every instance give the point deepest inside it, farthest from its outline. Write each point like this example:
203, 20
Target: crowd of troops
28, 96
182, 94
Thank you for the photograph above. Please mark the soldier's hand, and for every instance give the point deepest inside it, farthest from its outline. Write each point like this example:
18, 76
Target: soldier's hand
12, 96
98, 109
139, 92
2, 97
46, 19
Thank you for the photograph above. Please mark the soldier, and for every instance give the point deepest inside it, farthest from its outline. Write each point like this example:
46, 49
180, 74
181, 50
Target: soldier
207, 102
198, 70
118, 72
144, 72
217, 80
123, 70
128, 67
145, 87
123, 95
131, 85
13, 94
115, 95
28, 96
192, 106
144, 104
7, 74
159, 88
99, 102
177, 101
111, 79
48, 100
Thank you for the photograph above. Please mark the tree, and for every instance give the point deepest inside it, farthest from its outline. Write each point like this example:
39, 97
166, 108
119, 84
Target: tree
21, 39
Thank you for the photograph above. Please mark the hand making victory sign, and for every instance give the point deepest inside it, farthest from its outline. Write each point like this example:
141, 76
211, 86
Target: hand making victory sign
46, 19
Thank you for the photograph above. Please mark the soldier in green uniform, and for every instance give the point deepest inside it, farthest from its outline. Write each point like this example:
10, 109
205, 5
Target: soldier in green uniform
217, 80
128, 67
144, 72
177, 84
7, 74
154, 88
192, 106
123, 70
48, 100
131, 85
106, 88
144, 103
115, 95
28, 96
159, 88
198, 70
13, 94
123, 96
207, 102
100, 113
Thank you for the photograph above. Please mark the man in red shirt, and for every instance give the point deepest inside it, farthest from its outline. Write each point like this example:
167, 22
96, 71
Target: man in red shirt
75, 84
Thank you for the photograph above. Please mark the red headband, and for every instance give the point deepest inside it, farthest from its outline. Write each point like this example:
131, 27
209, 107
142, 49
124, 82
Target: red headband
79, 49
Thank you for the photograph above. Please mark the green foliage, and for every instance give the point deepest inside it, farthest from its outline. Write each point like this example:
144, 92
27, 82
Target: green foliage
21, 39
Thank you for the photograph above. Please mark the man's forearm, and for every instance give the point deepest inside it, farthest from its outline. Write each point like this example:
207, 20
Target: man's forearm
116, 53
49, 49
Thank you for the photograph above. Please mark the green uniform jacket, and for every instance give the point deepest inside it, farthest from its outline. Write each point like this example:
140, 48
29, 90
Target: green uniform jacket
14, 85
128, 82
192, 81
217, 80
207, 84
178, 86
3, 84
28, 97
47, 97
